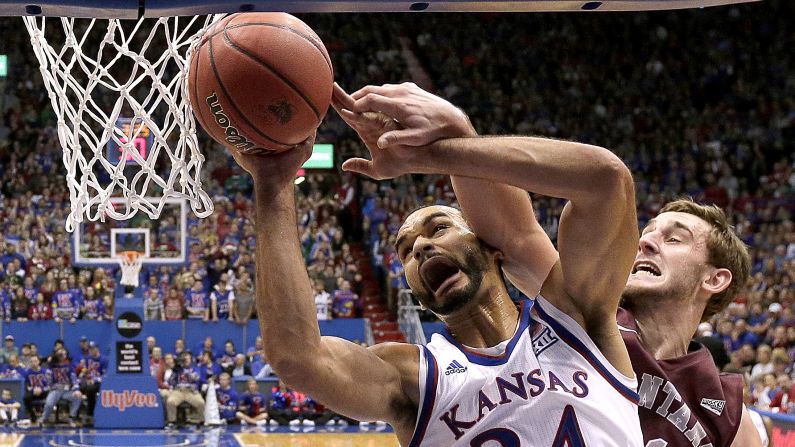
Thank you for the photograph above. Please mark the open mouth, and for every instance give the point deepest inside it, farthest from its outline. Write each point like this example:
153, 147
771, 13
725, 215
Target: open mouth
645, 268
438, 271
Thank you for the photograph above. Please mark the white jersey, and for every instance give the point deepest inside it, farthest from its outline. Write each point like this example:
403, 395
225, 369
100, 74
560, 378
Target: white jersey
549, 386
323, 302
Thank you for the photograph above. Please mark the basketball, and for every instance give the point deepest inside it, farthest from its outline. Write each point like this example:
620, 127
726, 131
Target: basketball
260, 82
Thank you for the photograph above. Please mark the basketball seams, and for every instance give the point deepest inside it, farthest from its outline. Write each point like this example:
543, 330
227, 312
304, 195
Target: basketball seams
194, 75
232, 104
307, 37
275, 72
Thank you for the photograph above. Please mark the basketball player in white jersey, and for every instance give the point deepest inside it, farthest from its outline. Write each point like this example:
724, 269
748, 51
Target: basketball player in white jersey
684, 401
554, 373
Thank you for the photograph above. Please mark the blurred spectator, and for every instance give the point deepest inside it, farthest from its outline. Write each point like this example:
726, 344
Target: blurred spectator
207, 368
254, 353
19, 305
227, 358
207, 345
346, 303
782, 400
154, 308
222, 299
25, 355
253, 405
164, 377
228, 400
91, 371
156, 363
8, 349
764, 363
239, 368
65, 303
92, 308
9, 407
13, 369
260, 367
243, 308
37, 384
179, 347
281, 404
197, 302
323, 301
83, 349
174, 305
184, 383
63, 385
41, 309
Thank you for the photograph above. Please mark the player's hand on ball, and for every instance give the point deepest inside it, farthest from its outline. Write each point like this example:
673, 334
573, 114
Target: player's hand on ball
276, 168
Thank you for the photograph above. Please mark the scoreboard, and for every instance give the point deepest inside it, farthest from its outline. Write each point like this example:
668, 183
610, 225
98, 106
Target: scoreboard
137, 133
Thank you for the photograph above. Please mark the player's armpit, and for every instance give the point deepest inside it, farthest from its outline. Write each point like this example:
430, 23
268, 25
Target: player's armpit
376, 383
747, 436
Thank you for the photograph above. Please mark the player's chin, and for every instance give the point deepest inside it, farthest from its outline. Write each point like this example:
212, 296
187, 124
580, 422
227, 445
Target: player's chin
643, 286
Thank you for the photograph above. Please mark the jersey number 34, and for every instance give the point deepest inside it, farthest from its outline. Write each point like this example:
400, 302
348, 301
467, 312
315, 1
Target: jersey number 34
568, 434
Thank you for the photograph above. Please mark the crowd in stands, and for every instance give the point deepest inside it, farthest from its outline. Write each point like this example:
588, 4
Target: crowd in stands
721, 130
183, 376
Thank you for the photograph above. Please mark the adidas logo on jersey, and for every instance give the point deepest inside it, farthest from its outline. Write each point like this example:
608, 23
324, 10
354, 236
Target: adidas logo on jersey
713, 405
454, 367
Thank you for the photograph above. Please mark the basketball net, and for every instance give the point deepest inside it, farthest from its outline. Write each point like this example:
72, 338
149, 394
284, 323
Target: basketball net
130, 263
124, 120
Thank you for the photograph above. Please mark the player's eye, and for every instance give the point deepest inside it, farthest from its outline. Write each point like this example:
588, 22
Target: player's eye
672, 240
439, 228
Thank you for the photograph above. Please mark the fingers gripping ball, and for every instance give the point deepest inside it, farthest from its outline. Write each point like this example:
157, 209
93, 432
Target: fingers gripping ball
260, 82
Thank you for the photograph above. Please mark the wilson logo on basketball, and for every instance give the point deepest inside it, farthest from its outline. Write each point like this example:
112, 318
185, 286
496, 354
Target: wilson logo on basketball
233, 136
127, 399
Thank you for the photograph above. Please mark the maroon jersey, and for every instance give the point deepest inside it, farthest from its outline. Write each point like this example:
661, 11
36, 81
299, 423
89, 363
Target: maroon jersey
684, 402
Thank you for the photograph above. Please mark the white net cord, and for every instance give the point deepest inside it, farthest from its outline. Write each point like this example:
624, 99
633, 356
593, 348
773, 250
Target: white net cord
124, 119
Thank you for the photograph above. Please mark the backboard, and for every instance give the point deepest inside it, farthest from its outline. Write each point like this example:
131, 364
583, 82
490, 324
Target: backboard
162, 241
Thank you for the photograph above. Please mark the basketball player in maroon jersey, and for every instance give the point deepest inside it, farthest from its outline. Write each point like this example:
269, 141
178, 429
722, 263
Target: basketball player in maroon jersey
688, 267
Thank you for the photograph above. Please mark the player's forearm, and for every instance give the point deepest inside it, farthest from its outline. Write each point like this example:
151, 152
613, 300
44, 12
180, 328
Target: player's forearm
574, 171
284, 303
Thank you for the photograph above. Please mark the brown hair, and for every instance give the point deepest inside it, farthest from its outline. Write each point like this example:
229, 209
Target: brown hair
724, 250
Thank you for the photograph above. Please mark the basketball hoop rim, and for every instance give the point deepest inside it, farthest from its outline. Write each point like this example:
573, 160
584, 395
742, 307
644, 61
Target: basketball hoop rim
130, 256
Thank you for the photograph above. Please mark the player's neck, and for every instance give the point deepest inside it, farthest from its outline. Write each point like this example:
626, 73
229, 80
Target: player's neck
667, 334
491, 319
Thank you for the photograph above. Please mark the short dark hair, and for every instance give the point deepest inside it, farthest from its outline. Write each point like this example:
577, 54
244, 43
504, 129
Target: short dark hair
724, 250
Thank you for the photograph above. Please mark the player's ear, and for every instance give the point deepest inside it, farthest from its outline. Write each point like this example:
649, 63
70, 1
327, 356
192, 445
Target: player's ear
718, 280
497, 255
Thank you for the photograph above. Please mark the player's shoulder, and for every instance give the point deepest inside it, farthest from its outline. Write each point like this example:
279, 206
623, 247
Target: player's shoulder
398, 354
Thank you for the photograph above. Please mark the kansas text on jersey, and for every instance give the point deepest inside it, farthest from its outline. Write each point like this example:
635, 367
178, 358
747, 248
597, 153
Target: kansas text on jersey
547, 386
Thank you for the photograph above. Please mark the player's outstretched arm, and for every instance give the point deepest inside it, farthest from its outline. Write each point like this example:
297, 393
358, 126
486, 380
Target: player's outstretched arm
502, 215
376, 383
